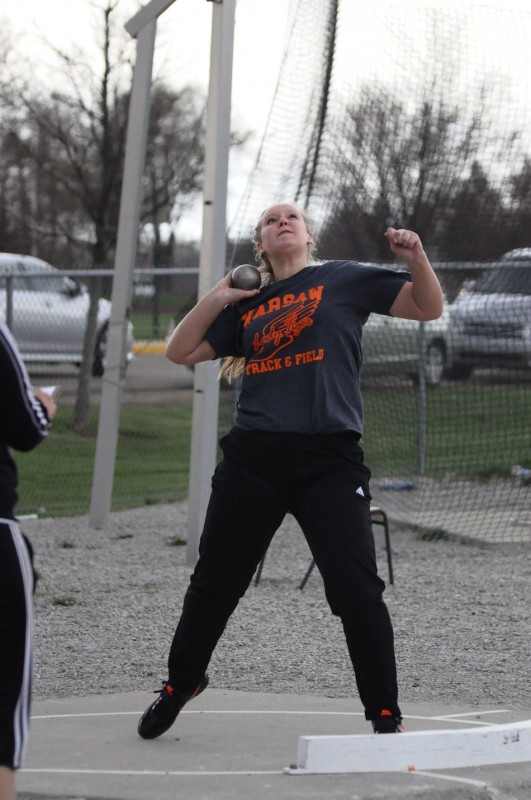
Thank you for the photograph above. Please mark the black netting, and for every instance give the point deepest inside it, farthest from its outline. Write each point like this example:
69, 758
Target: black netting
422, 121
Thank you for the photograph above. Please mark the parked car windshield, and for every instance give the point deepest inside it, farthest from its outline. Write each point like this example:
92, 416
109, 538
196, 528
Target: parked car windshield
505, 280
54, 283
30, 279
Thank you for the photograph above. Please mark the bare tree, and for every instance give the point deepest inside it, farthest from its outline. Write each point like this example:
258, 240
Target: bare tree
174, 170
519, 205
404, 164
75, 140
82, 131
475, 220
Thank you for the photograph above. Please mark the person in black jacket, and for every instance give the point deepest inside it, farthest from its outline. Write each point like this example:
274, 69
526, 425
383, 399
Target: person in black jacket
25, 417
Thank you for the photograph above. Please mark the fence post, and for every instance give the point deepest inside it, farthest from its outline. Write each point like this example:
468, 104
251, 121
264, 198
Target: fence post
9, 301
212, 264
126, 249
421, 401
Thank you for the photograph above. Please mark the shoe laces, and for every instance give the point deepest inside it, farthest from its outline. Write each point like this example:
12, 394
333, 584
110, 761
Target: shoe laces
165, 685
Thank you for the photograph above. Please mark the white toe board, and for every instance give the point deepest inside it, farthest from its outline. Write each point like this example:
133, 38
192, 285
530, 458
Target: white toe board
442, 749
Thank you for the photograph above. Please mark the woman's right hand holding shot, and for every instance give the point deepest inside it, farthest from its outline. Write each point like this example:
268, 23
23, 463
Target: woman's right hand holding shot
187, 344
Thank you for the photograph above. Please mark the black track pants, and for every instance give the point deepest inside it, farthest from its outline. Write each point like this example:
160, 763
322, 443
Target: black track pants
16, 637
322, 481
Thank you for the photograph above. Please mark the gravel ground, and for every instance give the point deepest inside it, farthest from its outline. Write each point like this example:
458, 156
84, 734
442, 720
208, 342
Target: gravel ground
107, 603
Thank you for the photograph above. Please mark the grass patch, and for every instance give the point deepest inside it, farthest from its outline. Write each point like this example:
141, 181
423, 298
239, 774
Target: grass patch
435, 535
149, 328
67, 601
473, 431
153, 322
176, 541
151, 462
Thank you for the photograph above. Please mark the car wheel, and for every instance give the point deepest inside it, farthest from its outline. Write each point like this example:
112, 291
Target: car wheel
98, 365
434, 364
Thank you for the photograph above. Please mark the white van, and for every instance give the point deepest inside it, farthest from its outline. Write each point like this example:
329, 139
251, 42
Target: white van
491, 319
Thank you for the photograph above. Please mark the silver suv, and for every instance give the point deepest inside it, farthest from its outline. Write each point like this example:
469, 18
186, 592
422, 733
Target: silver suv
491, 320
391, 346
47, 312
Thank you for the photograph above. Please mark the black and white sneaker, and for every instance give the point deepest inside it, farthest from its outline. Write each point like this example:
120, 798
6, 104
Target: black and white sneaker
387, 722
163, 712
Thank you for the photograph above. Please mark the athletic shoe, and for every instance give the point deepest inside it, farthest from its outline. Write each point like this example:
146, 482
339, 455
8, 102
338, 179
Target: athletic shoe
163, 712
387, 723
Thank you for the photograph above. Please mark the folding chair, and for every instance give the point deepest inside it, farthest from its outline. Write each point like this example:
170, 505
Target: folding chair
378, 517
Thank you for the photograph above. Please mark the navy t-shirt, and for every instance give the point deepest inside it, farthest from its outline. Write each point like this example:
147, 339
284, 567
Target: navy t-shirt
301, 340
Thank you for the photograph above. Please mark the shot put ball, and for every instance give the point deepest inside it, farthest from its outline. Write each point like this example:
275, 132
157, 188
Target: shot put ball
246, 277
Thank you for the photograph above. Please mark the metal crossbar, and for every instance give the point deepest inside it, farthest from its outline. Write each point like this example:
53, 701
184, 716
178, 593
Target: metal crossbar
378, 517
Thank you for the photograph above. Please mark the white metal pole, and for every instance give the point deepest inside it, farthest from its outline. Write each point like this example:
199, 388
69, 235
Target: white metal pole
146, 14
126, 249
211, 264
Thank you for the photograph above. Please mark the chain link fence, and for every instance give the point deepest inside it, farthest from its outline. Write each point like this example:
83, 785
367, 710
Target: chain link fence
447, 403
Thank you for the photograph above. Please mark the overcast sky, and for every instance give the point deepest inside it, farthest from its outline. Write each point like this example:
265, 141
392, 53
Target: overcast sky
183, 41
182, 50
